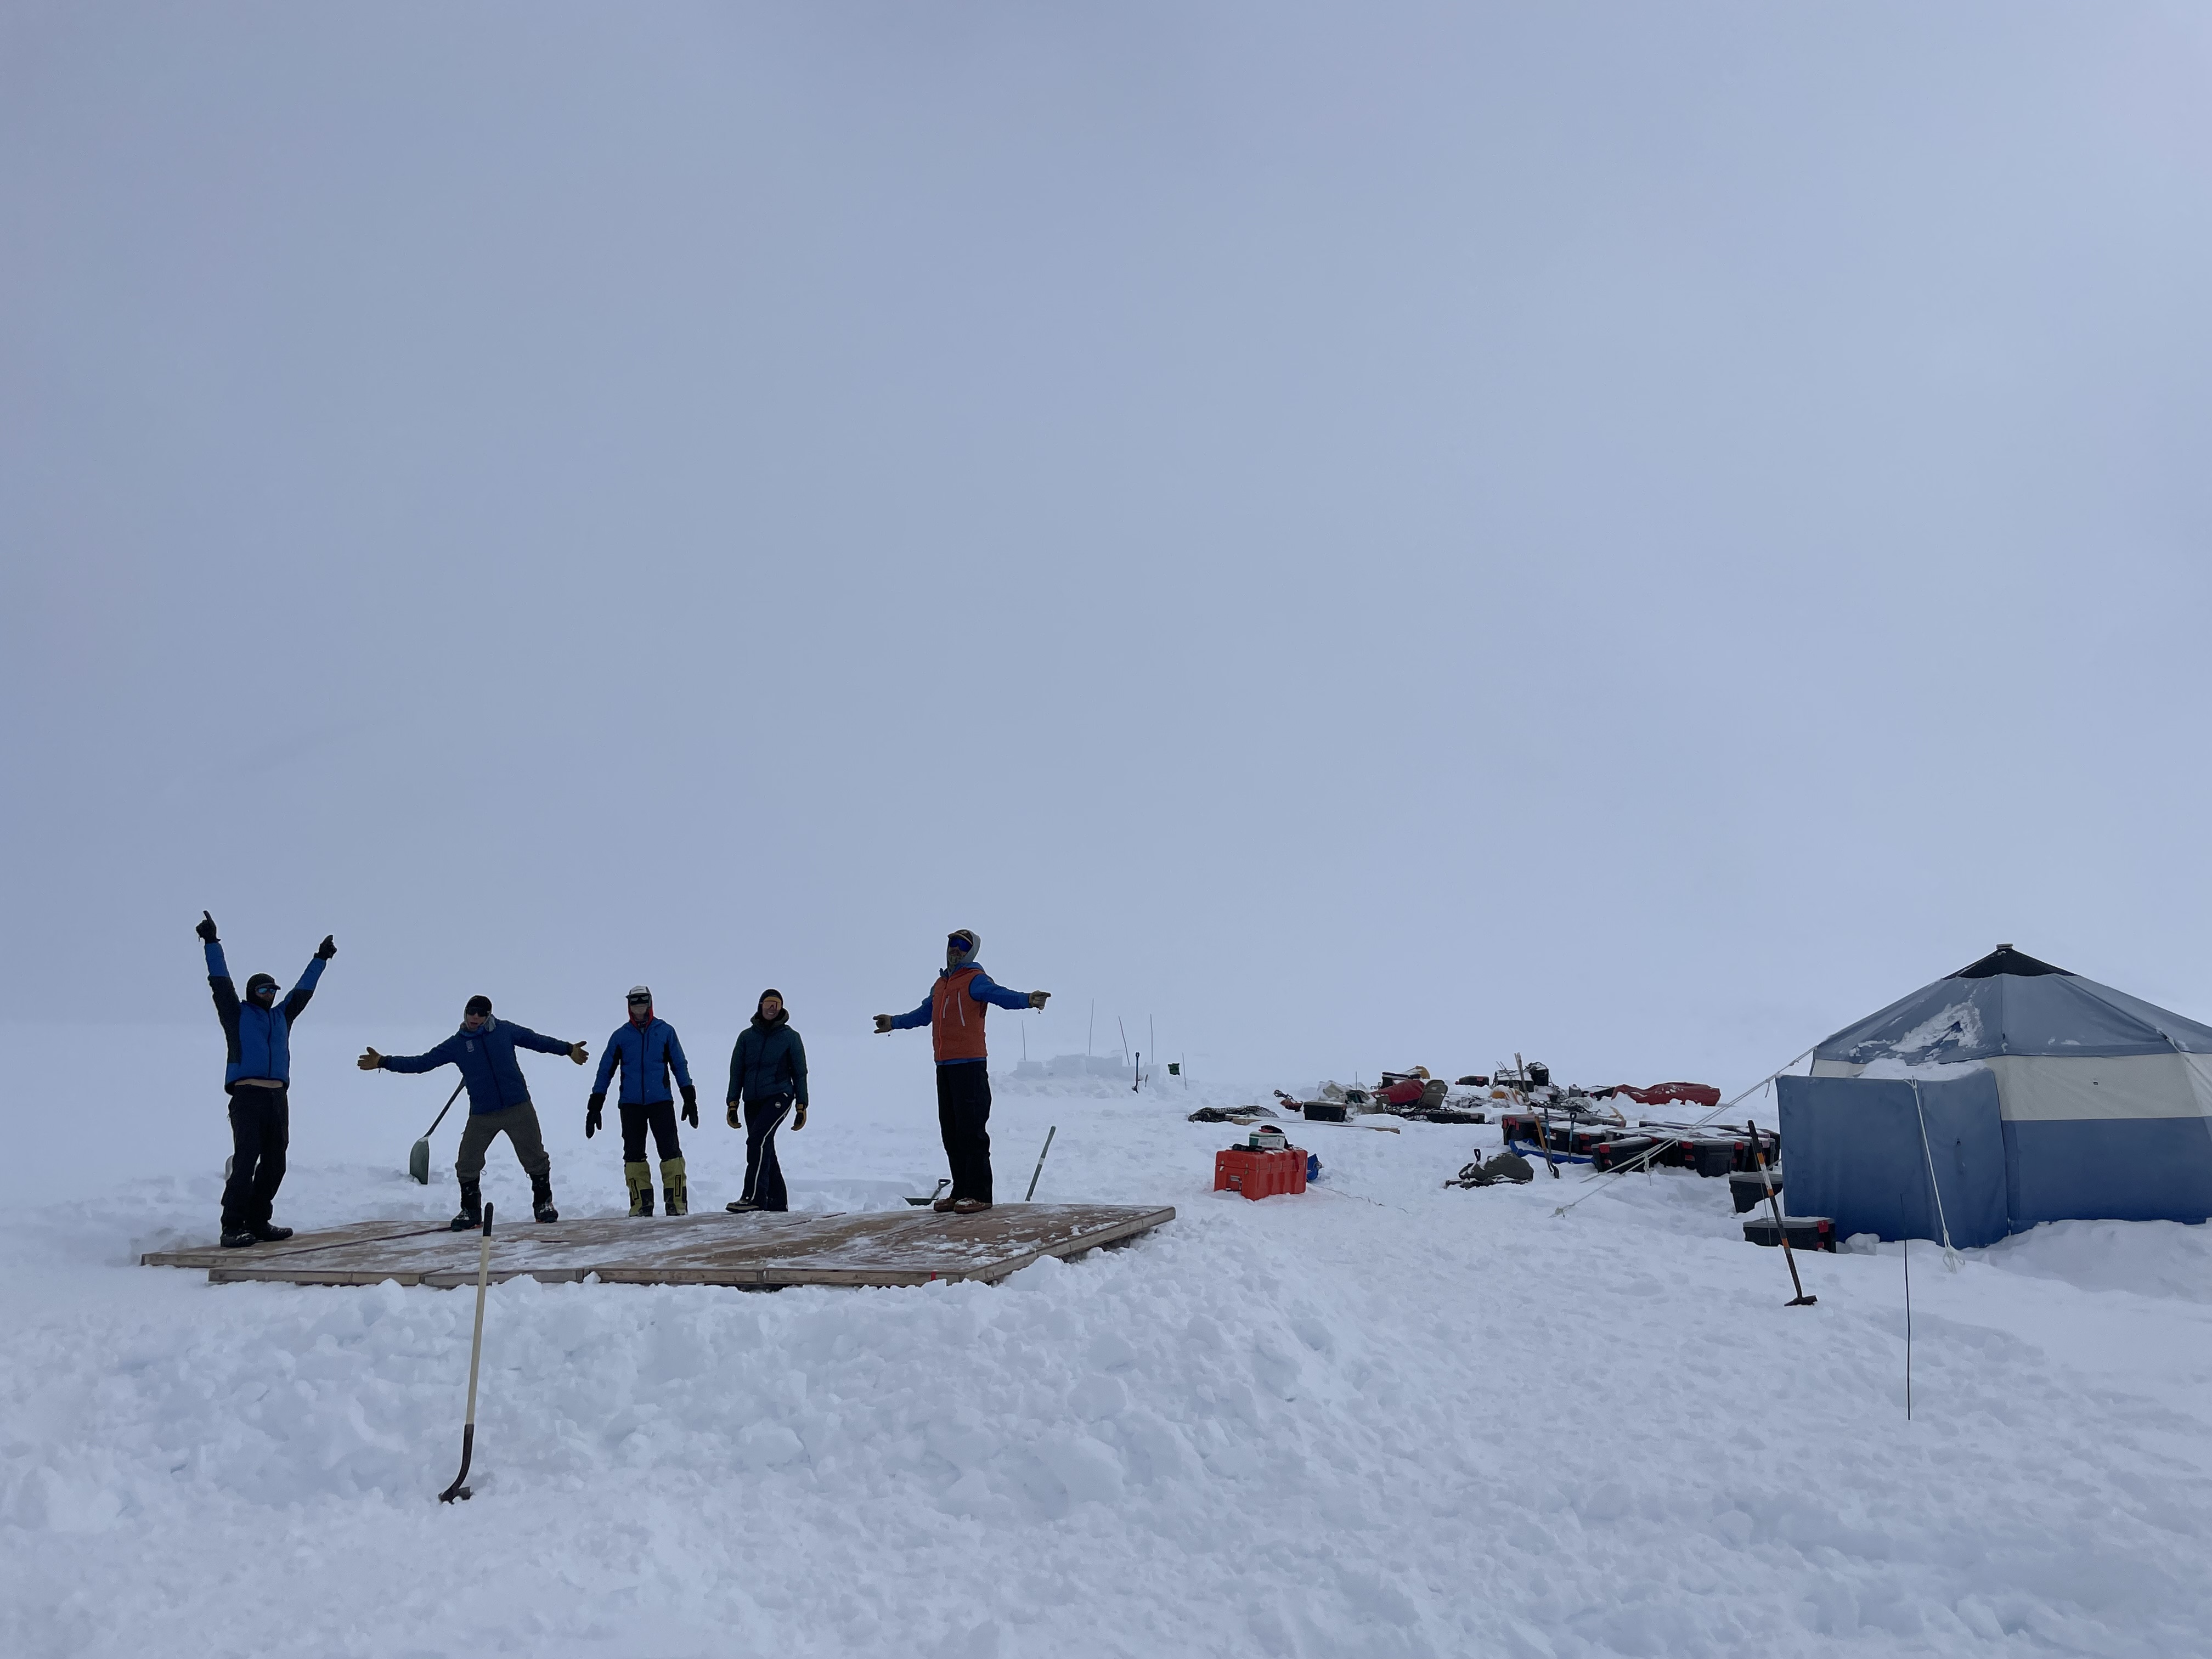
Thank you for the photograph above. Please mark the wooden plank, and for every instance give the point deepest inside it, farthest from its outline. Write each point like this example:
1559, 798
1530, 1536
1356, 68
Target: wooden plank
358, 1232
872, 1248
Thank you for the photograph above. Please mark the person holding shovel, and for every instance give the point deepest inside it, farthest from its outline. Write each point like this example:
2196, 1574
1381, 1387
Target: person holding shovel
954, 1012
257, 1076
499, 1102
767, 1079
646, 1048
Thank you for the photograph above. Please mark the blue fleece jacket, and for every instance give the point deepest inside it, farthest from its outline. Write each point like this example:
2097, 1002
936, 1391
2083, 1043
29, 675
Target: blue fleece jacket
486, 1057
644, 1053
980, 989
259, 1040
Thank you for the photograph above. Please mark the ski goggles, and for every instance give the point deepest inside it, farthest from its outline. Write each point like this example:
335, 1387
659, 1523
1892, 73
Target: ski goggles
640, 1002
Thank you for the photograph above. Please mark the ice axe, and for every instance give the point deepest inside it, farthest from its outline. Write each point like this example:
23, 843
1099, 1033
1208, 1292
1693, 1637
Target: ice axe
419, 1156
476, 1353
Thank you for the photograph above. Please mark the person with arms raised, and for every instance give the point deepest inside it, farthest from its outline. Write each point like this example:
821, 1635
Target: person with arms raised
257, 1076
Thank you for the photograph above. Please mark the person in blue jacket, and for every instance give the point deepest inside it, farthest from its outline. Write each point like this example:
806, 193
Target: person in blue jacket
646, 1047
767, 1078
256, 1075
499, 1102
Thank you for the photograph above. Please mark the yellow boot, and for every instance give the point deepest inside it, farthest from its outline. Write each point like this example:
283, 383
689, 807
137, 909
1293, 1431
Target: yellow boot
672, 1186
640, 1177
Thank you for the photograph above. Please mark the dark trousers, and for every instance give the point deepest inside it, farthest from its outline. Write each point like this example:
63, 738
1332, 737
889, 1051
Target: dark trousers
963, 1117
763, 1174
661, 1117
260, 1129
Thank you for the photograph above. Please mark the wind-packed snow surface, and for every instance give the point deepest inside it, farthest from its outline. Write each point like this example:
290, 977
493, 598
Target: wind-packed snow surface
1384, 1418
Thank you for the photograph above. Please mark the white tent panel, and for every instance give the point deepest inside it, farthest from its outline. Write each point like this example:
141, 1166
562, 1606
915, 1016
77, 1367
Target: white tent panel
2040, 1088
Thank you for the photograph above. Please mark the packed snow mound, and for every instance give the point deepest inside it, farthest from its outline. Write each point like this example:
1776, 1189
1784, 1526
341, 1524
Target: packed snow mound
1381, 1418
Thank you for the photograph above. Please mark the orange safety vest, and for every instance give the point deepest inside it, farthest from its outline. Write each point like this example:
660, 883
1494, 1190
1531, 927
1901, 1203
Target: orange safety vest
956, 1019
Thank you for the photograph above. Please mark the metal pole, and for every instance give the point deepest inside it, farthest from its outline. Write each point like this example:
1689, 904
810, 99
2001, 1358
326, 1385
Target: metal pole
1039, 1171
475, 1354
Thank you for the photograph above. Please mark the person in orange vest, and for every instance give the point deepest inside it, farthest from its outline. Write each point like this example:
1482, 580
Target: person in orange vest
954, 1011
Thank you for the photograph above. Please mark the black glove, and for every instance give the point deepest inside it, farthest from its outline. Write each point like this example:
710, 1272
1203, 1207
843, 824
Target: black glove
691, 1105
205, 927
592, 1115
328, 948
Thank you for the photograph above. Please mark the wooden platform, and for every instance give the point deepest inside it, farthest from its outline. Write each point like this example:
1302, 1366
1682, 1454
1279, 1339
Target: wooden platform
876, 1247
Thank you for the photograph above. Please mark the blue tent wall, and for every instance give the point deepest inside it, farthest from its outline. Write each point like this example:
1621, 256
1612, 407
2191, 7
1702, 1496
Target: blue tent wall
2127, 1169
1851, 1150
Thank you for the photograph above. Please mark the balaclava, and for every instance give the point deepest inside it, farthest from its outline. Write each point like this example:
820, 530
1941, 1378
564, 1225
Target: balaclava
255, 985
958, 954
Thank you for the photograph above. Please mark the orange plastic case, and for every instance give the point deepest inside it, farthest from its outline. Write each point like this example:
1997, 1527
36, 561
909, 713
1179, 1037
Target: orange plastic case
1260, 1175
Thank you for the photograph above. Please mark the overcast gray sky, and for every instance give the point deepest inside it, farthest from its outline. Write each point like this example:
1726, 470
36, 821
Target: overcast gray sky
1636, 534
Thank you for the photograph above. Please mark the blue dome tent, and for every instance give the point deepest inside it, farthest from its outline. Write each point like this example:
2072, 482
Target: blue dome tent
2010, 1092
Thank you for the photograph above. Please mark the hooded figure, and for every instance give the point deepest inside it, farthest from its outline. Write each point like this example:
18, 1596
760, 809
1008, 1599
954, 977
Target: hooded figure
954, 1012
768, 1080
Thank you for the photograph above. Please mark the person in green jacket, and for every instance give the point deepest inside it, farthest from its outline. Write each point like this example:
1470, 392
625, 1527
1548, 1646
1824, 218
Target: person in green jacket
767, 1079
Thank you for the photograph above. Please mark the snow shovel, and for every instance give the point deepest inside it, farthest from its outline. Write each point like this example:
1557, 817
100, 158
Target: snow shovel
943, 1181
476, 1352
419, 1156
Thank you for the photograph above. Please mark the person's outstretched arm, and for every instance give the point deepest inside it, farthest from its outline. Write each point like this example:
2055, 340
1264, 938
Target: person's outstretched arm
526, 1038
297, 1003
447, 1053
904, 1021
982, 989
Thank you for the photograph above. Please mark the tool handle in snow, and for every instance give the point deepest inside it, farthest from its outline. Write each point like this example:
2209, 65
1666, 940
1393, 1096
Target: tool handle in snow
1774, 1208
476, 1355
1039, 1171
445, 1109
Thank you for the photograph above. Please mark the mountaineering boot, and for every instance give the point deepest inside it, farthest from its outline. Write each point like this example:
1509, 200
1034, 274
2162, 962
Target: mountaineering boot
471, 1213
969, 1205
640, 1177
268, 1233
672, 1186
238, 1238
739, 1206
541, 1198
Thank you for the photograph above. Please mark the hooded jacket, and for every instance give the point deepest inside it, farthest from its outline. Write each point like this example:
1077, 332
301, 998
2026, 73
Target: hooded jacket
955, 1006
259, 1040
645, 1052
486, 1057
768, 1061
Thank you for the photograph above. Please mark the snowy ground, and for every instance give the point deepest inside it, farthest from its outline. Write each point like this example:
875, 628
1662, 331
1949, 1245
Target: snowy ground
1384, 1418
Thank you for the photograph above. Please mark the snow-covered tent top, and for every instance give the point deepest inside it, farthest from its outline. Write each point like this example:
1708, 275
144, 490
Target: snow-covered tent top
2009, 1003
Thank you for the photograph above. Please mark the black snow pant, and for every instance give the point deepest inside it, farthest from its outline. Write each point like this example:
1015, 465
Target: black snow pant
963, 1117
763, 1174
260, 1129
661, 1116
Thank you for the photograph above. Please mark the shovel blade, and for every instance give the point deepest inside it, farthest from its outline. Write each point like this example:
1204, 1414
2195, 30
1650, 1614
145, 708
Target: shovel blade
418, 1162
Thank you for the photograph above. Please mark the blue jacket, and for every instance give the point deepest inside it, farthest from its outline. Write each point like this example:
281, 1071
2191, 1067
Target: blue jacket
645, 1057
980, 989
769, 1062
259, 1039
486, 1057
